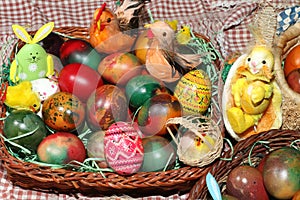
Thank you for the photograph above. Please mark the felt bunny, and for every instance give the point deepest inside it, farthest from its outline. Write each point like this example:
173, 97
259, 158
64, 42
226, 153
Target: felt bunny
32, 61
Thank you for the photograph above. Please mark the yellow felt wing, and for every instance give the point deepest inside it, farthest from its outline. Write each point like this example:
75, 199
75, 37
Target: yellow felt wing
50, 66
13, 72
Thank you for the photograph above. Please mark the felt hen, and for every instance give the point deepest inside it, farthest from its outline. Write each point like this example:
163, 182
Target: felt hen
163, 58
116, 31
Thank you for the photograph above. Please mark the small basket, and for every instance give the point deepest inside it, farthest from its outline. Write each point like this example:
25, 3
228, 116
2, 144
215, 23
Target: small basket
40, 178
196, 126
253, 148
291, 99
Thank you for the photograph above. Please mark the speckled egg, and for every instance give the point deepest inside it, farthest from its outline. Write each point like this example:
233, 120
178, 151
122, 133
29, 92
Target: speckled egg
123, 148
63, 111
194, 92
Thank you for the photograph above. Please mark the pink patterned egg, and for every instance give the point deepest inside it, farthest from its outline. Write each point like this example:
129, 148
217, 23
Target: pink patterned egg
123, 148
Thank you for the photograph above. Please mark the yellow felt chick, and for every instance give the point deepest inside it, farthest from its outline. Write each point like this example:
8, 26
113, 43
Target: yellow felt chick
183, 36
251, 89
204, 146
21, 96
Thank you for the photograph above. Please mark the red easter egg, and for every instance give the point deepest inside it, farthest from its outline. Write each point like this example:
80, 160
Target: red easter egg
155, 113
106, 105
246, 182
118, 68
61, 148
123, 148
79, 79
292, 60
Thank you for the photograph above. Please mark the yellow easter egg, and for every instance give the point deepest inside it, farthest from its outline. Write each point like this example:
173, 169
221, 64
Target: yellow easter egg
194, 92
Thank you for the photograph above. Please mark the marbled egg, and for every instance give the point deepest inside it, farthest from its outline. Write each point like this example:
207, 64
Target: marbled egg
194, 92
123, 148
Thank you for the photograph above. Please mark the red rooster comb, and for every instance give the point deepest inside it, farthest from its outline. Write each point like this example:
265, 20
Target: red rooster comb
100, 11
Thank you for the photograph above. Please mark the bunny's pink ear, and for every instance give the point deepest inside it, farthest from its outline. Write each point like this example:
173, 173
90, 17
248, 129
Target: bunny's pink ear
43, 32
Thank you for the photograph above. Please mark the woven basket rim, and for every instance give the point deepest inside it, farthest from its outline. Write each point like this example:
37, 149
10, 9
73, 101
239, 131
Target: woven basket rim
272, 140
30, 175
283, 44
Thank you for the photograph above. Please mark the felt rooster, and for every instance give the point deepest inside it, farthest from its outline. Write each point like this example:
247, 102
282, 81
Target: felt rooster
115, 31
163, 59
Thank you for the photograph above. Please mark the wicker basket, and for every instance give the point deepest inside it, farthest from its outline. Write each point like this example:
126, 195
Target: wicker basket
291, 100
274, 139
165, 183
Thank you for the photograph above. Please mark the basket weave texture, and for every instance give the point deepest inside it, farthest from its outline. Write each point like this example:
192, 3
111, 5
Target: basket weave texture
291, 99
220, 169
46, 179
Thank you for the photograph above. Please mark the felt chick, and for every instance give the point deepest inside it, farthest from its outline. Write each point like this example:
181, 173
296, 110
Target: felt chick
183, 36
31, 61
22, 96
252, 89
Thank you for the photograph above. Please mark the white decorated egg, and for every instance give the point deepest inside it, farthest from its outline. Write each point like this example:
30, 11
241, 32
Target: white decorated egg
44, 87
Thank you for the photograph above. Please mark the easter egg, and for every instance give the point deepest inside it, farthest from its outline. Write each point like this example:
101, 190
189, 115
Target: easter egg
141, 46
63, 111
95, 148
159, 154
156, 111
79, 80
123, 148
246, 182
292, 60
105, 106
281, 172
61, 148
80, 51
194, 92
118, 68
141, 88
44, 87
293, 80
21, 122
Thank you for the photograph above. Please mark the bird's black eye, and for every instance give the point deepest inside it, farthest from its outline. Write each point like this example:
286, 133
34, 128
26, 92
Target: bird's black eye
108, 20
264, 62
34, 105
249, 59
164, 34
